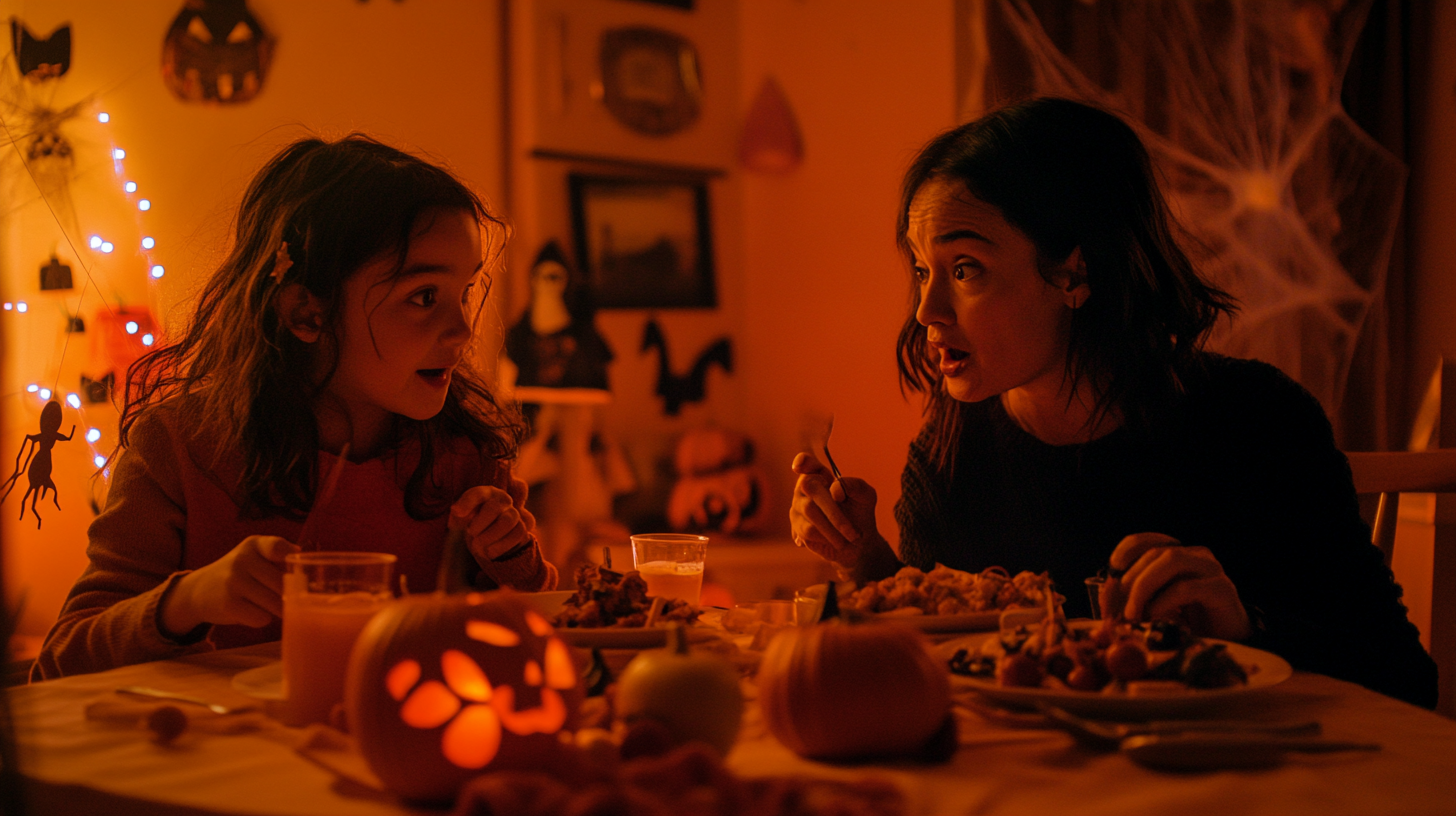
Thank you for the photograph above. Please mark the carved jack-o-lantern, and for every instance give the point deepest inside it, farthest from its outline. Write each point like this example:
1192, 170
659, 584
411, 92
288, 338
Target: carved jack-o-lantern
442, 688
216, 51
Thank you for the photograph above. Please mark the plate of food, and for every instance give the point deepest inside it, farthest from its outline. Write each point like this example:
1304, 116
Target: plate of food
1118, 670
612, 610
947, 601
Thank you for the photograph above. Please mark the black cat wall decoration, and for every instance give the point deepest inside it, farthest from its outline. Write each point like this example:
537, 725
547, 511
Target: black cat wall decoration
38, 59
677, 389
216, 51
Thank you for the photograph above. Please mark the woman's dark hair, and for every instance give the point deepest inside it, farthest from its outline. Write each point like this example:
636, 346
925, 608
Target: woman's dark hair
238, 372
1068, 176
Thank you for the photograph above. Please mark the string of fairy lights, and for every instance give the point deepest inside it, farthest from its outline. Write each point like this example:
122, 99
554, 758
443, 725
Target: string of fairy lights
99, 243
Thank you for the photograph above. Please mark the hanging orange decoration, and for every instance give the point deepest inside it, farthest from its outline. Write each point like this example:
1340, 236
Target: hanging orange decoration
771, 142
442, 688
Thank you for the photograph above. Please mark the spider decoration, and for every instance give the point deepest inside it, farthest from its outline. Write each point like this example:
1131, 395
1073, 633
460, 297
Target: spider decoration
37, 452
32, 121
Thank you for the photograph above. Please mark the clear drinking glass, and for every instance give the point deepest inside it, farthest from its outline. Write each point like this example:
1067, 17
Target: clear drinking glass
328, 597
1094, 594
671, 564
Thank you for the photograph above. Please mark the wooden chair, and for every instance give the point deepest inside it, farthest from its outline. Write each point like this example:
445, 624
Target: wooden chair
1391, 473
1426, 468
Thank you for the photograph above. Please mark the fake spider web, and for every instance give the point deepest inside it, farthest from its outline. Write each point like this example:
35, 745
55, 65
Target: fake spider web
1291, 206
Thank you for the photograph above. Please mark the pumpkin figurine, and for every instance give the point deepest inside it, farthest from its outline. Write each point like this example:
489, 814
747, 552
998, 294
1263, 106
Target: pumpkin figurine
695, 696
443, 687
842, 691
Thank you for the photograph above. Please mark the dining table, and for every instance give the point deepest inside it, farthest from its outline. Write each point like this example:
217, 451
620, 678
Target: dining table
72, 763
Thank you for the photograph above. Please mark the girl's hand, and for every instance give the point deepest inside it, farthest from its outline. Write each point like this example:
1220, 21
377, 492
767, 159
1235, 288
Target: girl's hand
245, 586
1164, 580
495, 521
837, 520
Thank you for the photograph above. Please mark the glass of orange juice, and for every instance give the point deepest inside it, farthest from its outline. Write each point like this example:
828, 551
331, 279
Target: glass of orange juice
671, 564
327, 599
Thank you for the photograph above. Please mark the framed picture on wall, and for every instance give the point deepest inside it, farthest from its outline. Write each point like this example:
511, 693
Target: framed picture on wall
644, 242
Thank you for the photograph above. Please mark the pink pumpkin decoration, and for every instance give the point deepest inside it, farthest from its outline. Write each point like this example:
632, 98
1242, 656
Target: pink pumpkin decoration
443, 688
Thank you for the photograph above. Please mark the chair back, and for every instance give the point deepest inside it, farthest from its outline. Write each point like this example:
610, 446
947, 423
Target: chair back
1426, 468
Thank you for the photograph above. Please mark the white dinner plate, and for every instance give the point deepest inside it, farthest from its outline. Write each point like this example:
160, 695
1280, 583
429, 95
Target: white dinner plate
1264, 669
628, 637
547, 604
968, 622
262, 683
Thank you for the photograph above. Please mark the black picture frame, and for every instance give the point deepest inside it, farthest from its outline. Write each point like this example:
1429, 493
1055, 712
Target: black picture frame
643, 241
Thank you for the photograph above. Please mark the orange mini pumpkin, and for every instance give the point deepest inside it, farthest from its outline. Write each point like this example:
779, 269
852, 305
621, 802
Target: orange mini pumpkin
442, 688
848, 691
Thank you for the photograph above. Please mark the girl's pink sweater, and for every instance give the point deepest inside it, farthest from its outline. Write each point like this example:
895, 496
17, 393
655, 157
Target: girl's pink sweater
171, 509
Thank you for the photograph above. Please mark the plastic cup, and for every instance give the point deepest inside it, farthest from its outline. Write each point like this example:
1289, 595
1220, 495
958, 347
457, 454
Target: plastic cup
1094, 594
328, 597
671, 564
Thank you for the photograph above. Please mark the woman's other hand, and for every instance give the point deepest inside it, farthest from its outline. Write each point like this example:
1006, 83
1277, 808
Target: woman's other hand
495, 521
836, 519
1163, 580
243, 587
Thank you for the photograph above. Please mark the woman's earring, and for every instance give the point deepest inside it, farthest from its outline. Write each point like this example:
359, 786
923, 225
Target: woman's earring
281, 263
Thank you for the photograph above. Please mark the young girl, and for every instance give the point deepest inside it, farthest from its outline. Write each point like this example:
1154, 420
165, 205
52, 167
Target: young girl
334, 336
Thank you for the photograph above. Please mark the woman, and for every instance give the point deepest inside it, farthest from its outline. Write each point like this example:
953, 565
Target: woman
1074, 423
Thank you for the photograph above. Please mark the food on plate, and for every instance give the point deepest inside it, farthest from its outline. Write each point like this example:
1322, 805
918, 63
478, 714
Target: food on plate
605, 598
1117, 657
946, 591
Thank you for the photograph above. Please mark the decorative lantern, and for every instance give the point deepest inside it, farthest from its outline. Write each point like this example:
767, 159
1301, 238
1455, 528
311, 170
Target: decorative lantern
444, 687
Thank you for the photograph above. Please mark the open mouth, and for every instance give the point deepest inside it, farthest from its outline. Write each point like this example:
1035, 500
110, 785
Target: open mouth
952, 361
435, 376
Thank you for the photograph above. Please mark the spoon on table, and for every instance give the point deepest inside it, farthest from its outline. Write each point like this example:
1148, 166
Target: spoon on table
1109, 735
1206, 752
158, 694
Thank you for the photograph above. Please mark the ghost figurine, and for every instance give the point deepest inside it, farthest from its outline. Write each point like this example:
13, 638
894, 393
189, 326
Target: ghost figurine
560, 364
555, 344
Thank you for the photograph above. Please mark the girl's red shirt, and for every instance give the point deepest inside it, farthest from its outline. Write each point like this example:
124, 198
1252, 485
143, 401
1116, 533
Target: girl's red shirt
173, 507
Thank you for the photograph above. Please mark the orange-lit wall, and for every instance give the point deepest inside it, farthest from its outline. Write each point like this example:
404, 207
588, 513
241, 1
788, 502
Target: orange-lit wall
870, 82
420, 74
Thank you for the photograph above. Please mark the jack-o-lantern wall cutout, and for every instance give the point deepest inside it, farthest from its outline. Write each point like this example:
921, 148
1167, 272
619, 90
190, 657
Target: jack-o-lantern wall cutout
442, 688
216, 51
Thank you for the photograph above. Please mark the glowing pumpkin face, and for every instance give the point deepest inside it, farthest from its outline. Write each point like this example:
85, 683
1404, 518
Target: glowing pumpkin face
443, 688
216, 51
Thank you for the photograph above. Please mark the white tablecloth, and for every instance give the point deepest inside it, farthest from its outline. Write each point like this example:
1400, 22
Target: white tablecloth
77, 766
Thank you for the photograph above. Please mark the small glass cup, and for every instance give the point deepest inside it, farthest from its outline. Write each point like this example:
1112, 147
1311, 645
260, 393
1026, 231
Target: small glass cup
1094, 594
671, 564
328, 597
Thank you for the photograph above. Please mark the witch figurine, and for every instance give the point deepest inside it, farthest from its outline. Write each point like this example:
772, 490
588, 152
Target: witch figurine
555, 344
37, 452
572, 464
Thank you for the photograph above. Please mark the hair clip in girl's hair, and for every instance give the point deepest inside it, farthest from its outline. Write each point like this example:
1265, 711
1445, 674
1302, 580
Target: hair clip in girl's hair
281, 263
